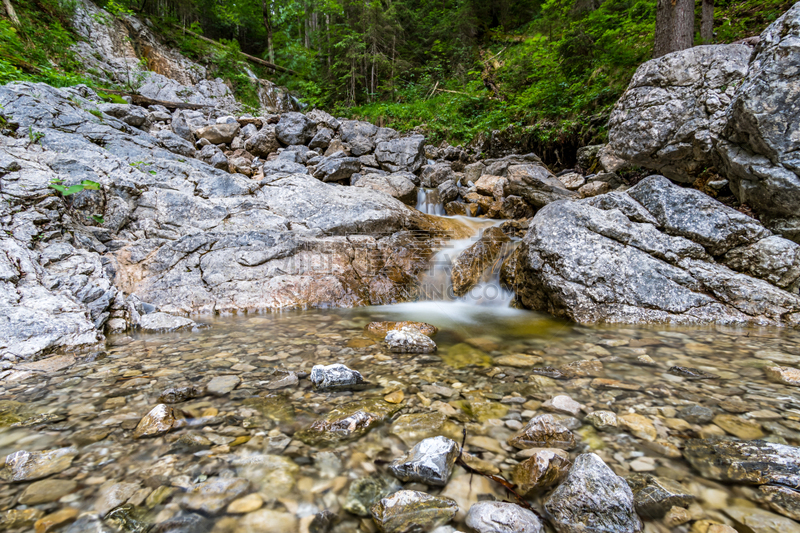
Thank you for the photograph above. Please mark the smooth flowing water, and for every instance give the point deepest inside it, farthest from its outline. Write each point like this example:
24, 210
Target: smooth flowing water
488, 378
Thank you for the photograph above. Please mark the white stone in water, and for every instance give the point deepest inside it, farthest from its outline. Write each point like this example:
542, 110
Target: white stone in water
501, 517
562, 404
407, 340
336, 376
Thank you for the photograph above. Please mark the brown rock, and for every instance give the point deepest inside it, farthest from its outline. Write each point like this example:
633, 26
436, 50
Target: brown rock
53, 521
471, 263
583, 369
543, 470
543, 431
157, 422
638, 426
739, 427
785, 375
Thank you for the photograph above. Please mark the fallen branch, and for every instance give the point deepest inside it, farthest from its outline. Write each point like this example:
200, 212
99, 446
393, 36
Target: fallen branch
497, 479
254, 59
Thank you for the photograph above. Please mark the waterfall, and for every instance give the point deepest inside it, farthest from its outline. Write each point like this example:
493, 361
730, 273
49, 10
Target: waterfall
428, 202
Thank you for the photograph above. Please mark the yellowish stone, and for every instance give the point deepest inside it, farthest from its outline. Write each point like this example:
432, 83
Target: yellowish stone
739, 427
638, 426
247, 504
395, 397
55, 520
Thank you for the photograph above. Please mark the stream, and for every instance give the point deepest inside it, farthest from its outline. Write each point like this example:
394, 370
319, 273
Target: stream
483, 380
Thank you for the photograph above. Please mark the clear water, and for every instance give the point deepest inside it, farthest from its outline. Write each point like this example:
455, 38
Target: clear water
471, 378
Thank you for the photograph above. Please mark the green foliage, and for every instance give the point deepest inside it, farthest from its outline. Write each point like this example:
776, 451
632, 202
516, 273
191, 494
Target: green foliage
34, 136
84, 185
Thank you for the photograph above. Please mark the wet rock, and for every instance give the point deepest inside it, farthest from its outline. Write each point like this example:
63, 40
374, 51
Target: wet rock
409, 510
784, 375
276, 521
691, 373
158, 421
517, 360
184, 522
88, 436
128, 518
365, 491
295, 128
29, 466
414, 427
654, 496
162, 322
222, 385
543, 431
582, 369
593, 498
750, 462
273, 475
56, 520
404, 154
180, 394
448, 191
246, 504
501, 517
336, 377
19, 518
783, 500
213, 496
562, 404
47, 490
739, 427
408, 340
113, 495
755, 520
469, 266
638, 426
696, 414
603, 420
431, 462
347, 422
380, 329
543, 470
218, 133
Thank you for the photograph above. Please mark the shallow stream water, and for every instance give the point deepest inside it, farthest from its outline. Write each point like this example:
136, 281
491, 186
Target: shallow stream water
482, 381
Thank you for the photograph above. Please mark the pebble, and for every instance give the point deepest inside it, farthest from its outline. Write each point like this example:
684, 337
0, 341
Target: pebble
562, 404
739, 427
247, 504
222, 385
56, 520
638, 426
783, 374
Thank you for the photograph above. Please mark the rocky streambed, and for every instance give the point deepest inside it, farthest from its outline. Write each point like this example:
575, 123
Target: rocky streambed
228, 429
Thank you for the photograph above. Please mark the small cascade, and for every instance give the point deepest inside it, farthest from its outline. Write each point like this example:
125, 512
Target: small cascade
428, 202
436, 284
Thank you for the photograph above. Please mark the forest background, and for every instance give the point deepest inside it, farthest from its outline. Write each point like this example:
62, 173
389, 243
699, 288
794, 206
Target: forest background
543, 73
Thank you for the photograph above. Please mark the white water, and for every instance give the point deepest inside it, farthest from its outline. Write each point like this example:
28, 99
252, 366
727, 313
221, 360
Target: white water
428, 202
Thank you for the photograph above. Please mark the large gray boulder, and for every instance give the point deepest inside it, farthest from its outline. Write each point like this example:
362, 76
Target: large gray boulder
674, 110
295, 128
360, 136
396, 185
759, 146
404, 154
657, 253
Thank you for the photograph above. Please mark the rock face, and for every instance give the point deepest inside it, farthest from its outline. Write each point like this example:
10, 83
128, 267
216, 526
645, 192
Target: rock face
469, 266
500, 517
656, 253
674, 109
181, 234
593, 498
758, 148
431, 462
752, 462
407, 508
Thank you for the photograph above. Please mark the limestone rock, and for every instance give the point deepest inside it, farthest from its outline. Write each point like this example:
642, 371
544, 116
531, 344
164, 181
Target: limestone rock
654, 496
396, 185
542, 471
431, 462
30, 466
47, 490
407, 340
404, 154
785, 375
222, 385
263, 143
347, 422
365, 491
163, 322
114, 495
213, 496
295, 128
663, 233
360, 136
536, 184
469, 266
543, 431
593, 498
501, 517
158, 421
380, 329
218, 133
407, 508
751, 462
603, 420
337, 168
760, 140
674, 109
760, 521
336, 377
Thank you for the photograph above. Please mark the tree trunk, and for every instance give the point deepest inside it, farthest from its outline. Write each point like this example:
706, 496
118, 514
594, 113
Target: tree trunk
11, 13
266, 14
674, 26
707, 22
